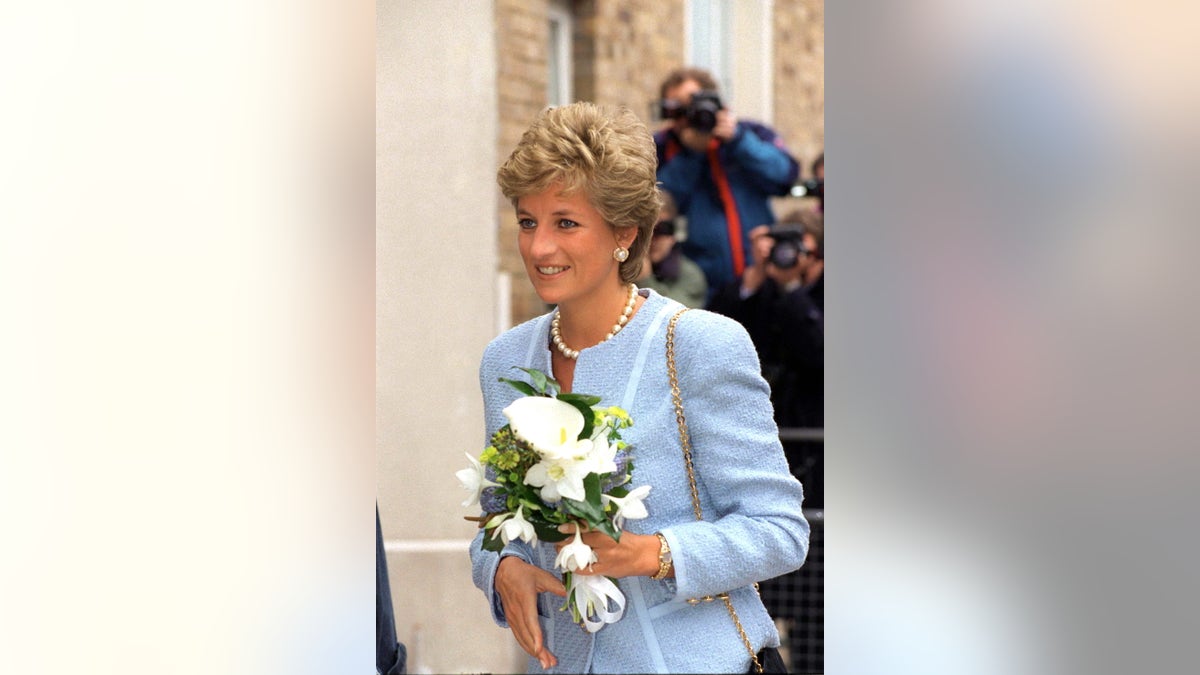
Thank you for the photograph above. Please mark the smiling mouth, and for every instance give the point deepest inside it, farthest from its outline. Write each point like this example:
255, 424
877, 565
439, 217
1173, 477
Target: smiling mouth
551, 270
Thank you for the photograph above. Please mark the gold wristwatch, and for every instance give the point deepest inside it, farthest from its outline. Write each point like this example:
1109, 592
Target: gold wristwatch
664, 558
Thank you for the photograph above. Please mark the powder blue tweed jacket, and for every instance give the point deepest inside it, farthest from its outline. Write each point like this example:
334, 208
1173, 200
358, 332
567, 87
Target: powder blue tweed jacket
754, 528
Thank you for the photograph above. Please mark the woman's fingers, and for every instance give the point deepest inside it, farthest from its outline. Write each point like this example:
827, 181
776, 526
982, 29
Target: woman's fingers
569, 528
548, 583
629, 557
518, 584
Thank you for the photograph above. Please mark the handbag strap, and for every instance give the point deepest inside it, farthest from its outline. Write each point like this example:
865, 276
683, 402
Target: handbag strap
685, 441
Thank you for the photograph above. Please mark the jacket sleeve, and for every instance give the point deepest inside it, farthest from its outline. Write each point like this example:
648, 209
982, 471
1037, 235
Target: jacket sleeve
483, 571
754, 527
768, 165
681, 175
484, 563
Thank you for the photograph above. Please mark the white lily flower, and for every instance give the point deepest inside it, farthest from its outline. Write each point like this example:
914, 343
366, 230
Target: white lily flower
559, 478
511, 526
474, 480
602, 454
629, 507
591, 594
548, 425
575, 556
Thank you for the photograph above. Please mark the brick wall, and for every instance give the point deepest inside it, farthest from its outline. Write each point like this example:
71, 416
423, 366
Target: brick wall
522, 32
800, 77
628, 46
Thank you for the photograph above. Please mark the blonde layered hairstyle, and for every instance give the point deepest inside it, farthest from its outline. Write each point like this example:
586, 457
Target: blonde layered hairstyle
606, 152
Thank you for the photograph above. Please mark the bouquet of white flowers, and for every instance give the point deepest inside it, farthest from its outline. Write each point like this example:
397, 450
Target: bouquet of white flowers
558, 460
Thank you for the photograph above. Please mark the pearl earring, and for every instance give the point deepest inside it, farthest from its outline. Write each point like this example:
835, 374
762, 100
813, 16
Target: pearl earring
621, 254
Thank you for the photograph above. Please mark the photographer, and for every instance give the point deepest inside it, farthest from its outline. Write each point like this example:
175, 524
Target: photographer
666, 269
720, 170
771, 301
812, 264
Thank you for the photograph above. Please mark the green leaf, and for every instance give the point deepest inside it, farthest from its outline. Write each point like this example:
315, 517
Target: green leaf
591, 490
586, 399
520, 386
580, 402
591, 509
494, 545
548, 532
608, 528
542, 384
587, 512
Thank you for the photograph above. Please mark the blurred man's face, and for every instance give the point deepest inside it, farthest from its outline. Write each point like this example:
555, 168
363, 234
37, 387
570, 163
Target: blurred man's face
660, 247
682, 93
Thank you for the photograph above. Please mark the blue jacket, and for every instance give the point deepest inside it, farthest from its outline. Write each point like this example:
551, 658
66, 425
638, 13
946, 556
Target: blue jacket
757, 167
754, 528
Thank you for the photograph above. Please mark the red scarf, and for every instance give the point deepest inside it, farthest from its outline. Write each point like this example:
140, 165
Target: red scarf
733, 221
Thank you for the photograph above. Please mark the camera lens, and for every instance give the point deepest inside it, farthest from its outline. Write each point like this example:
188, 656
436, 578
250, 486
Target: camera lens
785, 254
703, 120
702, 111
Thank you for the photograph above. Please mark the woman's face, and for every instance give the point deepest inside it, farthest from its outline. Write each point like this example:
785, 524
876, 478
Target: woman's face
568, 248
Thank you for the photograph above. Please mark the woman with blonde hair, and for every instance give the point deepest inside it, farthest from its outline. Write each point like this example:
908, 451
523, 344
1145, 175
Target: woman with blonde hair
582, 183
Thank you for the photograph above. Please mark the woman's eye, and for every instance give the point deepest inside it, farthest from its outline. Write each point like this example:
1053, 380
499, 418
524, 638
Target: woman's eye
567, 224
526, 224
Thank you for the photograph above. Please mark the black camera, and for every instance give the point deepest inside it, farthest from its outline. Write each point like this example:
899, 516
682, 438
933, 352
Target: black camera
787, 249
700, 114
813, 187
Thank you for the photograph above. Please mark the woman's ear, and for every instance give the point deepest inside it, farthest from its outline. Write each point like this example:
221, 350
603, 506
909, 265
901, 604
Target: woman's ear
626, 236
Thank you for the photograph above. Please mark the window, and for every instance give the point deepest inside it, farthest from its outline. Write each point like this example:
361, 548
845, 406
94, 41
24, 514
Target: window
708, 24
558, 84
734, 40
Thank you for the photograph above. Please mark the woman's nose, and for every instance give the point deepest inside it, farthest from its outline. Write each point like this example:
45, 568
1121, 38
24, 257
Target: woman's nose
543, 243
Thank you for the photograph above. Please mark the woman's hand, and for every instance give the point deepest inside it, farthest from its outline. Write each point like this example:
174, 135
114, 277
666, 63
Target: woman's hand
636, 555
518, 584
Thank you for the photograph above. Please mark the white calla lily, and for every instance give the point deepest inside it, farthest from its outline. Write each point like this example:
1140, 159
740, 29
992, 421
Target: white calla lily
474, 480
548, 425
592, 594
510, 526
575, 556
629, 507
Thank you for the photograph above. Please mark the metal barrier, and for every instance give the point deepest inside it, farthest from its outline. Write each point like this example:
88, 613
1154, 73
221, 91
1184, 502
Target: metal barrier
797, 600
791, 434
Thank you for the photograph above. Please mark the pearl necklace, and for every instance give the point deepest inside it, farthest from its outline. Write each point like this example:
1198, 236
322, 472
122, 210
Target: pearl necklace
621, 321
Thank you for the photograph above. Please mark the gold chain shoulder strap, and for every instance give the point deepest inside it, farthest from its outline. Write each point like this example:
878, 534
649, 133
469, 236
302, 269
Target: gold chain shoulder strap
685, 441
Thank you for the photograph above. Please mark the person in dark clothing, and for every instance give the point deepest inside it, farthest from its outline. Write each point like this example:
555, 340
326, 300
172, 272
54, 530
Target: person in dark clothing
812, 264
785, 324
390, 655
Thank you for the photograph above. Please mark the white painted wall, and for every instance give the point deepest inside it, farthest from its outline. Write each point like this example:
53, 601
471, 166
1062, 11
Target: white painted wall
436, 129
